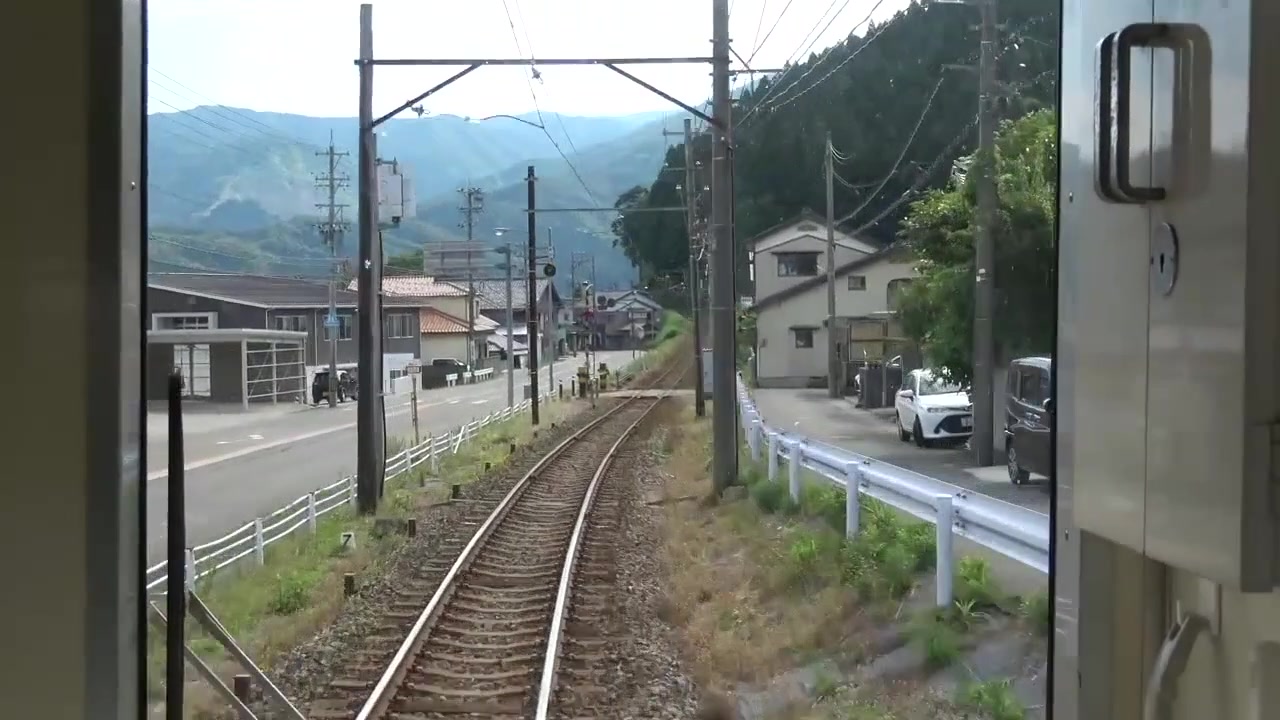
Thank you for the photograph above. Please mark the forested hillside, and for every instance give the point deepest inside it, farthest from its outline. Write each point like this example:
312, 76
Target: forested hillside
898, 119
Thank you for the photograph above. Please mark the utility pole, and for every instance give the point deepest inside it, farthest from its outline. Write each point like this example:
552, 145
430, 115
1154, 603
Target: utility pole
984, 279
532, 320
690, 193
833, 358
724, 466
332, 231
370, 433
474, 198
552, 324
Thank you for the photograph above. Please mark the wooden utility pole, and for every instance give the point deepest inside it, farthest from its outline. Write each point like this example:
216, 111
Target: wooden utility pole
474, 203
833, 358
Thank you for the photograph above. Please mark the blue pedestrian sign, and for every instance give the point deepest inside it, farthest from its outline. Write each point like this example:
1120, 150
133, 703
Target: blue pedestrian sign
331, 321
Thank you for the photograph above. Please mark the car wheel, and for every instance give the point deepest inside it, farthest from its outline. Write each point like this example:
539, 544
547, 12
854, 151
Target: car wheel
903, 435
918, 433
1017, 474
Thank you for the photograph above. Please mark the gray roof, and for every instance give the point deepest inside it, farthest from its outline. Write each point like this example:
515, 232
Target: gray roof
492, 294
260, 290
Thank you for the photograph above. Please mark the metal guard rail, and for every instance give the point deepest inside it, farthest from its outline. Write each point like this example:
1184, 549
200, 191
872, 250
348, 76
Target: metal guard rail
252, 538
1013, 531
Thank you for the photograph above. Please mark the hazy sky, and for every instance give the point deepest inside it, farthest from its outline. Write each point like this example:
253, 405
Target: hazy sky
296, 56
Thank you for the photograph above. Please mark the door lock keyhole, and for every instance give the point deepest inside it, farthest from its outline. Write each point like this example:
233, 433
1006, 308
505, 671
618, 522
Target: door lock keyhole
1164, 258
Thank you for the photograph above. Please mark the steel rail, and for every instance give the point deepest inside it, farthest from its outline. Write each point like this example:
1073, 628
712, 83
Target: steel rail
546, 685
384, 690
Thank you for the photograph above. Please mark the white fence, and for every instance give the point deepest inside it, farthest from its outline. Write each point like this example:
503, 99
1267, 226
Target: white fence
1013, 531
252, 538
468, 377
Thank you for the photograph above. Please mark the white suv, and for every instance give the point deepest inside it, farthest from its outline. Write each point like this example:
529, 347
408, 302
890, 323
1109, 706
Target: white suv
930, 409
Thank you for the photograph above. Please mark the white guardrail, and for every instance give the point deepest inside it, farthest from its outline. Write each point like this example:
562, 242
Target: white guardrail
252, 538
1013, 531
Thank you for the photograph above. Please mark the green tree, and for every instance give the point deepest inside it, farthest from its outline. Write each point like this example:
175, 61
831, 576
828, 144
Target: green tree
937, 309
870, 103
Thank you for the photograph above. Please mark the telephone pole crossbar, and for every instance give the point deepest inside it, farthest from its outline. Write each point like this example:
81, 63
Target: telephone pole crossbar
370, 448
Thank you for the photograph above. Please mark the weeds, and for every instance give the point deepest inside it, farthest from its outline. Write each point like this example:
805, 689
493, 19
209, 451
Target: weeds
292, 592
995, 699
1037, 611
937, 638
974, 583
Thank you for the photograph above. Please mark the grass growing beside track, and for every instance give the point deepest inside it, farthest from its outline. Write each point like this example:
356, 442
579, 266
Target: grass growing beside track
299, 589
762, 588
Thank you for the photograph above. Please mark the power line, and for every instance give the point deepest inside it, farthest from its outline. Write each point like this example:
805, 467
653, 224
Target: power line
903, 153
793, 59
232, 111
756, 48
246, 258
774, 104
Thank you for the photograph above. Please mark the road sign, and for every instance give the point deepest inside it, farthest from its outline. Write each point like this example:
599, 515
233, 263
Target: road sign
413, 368
331, 321
549, 270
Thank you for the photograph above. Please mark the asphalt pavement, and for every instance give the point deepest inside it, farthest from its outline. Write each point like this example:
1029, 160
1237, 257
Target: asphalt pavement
240, 465
872, 433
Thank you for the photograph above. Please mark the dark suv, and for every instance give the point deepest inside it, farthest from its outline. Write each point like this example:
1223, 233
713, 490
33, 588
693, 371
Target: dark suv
320, 387
1028, 418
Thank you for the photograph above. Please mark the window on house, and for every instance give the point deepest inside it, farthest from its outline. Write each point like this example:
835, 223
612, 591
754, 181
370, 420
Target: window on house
292, 323
344, 328
857, 282
894, 292
804, 337
203, 321
797, 264
400, 325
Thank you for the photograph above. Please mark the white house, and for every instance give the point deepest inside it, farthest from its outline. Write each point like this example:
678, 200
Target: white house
789, 269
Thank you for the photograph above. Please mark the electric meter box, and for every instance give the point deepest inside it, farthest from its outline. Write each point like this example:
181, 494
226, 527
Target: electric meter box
1167, 377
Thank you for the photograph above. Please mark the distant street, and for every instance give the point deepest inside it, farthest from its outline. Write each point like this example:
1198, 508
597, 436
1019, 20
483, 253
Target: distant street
240, 465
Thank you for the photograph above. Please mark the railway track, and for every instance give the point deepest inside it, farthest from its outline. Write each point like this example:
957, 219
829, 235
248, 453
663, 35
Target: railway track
491, 639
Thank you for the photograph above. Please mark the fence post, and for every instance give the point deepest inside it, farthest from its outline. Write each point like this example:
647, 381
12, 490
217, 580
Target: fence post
311, 512
259, 546
431, 453
852, 499
773, 456
942, 504
351, 491
753, 438
190, 577
793, 472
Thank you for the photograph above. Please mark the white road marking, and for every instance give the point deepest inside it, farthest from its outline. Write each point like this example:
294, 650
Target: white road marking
454, 402
481, 401
255, 437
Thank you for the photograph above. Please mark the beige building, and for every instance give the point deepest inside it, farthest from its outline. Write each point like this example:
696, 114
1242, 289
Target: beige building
442, 317
789, 268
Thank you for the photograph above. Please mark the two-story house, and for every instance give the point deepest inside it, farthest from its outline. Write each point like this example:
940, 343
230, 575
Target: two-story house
789, 270
443, 330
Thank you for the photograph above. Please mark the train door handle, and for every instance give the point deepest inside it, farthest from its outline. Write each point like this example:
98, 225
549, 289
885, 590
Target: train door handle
1113, 112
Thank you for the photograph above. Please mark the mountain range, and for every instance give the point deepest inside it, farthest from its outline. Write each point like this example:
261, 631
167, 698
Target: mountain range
234, 189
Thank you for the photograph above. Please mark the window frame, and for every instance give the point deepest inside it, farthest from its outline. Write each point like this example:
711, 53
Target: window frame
346, 322
862, 286
796, 335
389, 329
783, 258
301, 321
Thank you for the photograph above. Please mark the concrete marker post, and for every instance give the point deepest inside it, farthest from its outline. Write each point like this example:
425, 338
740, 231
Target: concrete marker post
852, 499
946, 576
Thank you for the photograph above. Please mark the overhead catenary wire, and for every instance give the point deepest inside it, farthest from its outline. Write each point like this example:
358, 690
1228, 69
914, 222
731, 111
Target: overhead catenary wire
794, 57
902, 154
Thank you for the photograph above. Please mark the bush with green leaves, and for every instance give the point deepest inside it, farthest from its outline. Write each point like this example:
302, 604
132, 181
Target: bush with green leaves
975, 584
885, 557
1037, 611
936, 636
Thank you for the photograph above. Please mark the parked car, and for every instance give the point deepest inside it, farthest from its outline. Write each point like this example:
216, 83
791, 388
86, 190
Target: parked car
450, 365
347, 387
1028, 418
933, 409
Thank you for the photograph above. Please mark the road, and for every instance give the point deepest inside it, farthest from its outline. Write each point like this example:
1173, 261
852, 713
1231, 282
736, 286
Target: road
872, 433
240, 465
